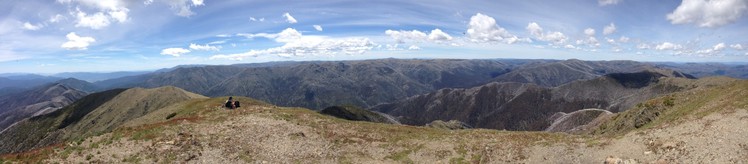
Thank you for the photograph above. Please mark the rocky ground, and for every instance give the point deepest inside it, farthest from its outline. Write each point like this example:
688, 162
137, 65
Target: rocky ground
268, 134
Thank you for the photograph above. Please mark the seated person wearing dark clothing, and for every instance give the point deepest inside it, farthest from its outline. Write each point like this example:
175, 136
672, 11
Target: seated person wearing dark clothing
230, 103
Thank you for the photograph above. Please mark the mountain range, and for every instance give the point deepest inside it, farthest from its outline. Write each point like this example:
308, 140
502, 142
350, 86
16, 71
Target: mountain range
36, 101
526, 106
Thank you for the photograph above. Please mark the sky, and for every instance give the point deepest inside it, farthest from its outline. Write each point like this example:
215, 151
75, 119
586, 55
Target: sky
51, 36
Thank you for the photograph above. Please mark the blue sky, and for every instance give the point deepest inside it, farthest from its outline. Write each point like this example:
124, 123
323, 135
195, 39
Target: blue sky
47, 36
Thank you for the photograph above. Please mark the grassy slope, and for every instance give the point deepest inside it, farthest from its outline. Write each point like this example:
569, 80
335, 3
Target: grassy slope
714, 94
94, 114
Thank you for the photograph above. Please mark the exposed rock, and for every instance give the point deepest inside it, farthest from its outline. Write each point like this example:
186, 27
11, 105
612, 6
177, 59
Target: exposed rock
616, 160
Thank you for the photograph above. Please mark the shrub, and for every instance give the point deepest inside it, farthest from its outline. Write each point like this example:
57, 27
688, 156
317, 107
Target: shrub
669, 101
171, 115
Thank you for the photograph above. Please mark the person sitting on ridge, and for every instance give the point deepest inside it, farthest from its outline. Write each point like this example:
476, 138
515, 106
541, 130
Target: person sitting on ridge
230, 103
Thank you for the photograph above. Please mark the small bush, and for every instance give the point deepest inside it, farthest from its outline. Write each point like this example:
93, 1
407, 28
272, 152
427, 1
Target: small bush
669, 101
171, 115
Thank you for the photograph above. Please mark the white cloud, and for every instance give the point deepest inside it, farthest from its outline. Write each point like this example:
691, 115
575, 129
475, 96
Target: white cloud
534, 29
719, 47
414, 47
253, 19
119, 15
76, 42
569, 46
29, 26
217, 42
537, 32
176, 52
590, 41
624, 39
708, 13
608, 2
391, 47
287, 35
737, 46
95, 21
56, 18
643, 46
436, 35
289, 18
483, 28
108, 11
439, 35
183, 8
197, 3
206, 47
317, 27
299, 45
589, 32
668, 46
611, 41
712, 51
402, 35
610, 29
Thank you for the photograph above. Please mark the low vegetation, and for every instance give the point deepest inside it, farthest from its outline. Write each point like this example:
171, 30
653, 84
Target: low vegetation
678, 107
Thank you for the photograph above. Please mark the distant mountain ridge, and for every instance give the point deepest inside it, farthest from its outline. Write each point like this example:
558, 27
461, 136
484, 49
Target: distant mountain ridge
318, 85
40, 100
523, 106
25, 81
97, 76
